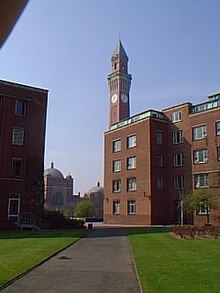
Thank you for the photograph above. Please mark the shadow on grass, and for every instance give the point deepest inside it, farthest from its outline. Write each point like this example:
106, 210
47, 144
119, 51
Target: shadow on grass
43, 234
96, 233
148, 230
124, 231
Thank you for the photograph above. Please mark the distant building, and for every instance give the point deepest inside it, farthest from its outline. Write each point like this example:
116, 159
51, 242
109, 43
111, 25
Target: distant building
96, 195
153, 159
22, 141
58, 193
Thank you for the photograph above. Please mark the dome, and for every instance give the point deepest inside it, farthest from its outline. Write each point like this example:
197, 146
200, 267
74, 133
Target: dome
96, 189
55, 173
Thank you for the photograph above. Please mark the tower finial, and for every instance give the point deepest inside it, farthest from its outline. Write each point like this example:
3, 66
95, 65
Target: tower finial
52, 164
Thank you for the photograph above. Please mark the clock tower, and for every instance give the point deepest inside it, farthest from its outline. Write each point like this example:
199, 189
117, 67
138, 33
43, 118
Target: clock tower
119, 81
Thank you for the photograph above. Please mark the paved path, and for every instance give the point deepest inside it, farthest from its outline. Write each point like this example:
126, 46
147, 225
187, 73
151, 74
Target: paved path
98, 263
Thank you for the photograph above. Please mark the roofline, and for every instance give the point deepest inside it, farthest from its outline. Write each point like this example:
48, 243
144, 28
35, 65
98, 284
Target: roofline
214, 94
19, 85
177, 106
189, 103
132, 119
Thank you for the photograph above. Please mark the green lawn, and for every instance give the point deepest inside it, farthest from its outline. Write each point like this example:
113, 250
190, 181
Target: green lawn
166, 264
19, 251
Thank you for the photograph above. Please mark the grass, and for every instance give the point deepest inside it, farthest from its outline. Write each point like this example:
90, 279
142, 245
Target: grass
166, 264
20, 251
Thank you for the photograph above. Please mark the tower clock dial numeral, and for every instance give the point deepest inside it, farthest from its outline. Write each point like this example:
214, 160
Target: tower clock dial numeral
114, 98
124, 98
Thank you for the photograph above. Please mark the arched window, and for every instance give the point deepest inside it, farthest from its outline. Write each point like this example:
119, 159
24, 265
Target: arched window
57, 199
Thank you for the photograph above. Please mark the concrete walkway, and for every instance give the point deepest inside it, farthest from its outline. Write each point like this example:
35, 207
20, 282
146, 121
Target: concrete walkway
99, 263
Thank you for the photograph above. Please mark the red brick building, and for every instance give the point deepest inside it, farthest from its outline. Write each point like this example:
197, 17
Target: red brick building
153, 159
195, 152
22, 141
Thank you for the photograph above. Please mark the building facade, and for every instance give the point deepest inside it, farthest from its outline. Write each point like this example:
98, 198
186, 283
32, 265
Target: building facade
58, 191
194, 146
22, 142
153, 159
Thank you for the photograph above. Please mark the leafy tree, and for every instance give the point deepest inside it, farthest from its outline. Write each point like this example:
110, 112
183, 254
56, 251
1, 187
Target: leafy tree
84, 208
199, 197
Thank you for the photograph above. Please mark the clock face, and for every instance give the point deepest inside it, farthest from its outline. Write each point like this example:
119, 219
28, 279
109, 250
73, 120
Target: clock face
124, 98
114, 98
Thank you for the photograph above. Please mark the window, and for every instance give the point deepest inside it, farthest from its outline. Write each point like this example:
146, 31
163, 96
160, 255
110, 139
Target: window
203, 209
20, 107
218, 153
116, 145
131, 141
116, 185
131, 207
116, 165
57, 199
116, 207
159, 137
160, 183
18, 136
17, 167
177, 137
131, 163
178, 182
159, 160
14, 206
217, 125
178, 160
131, 184
176, 116
200, 156
201, 181
199, 132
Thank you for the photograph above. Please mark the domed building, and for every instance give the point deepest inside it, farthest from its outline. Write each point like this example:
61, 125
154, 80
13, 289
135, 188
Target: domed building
52, 172
58, 194
95, 195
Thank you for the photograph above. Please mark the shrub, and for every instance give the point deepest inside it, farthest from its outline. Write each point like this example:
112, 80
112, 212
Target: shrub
194, 232
56, 220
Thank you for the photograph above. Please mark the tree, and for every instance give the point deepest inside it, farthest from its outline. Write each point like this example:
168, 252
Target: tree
37, 202
199, 199
84, 208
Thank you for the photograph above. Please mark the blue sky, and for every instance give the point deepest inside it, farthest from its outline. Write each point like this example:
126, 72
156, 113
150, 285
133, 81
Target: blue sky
66, 47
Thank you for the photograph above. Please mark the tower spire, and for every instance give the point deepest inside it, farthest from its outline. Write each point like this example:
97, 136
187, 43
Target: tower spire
120, 51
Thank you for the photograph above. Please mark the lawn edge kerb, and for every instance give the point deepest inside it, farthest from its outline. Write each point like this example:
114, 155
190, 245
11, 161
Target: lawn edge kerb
40, 263
134, 264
